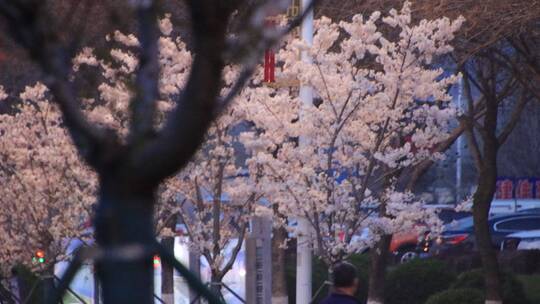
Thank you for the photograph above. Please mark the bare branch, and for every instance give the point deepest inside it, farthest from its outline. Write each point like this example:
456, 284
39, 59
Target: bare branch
473, 146
236, 249
514, 118
255, 53
147, 83
197, 107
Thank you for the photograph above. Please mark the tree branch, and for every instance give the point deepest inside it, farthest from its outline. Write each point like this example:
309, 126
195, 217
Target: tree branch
186, 125
147, 83
27, 29
473, 146
236, 249
198, 105
514, 118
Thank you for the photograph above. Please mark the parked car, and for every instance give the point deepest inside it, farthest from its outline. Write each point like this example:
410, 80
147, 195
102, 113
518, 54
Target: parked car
447, 212
524, 240
501, 207
458, 237
404, 245
408, 245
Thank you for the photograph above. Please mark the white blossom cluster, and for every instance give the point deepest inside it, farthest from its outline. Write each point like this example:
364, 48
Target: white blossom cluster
111, 108
213, 181
47, 191
383, 107
218, 194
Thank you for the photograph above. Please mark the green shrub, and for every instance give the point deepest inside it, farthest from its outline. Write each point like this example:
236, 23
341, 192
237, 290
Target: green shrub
531, 285
414, 282
512, 289
470, 279
457, 296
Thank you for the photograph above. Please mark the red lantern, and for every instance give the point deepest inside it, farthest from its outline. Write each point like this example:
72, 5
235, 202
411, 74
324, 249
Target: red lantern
269, 59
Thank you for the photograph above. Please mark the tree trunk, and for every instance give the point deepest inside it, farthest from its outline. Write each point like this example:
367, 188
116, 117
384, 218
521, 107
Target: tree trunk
279, 279
379, 260
97, 288
215, 284
487, 180
167, 273
195, 267
124, 218
482, 202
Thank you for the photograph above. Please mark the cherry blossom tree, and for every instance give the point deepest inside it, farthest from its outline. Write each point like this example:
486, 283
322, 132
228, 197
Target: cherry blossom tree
47, 192
37, 190
381, 107
217, 198
214, 196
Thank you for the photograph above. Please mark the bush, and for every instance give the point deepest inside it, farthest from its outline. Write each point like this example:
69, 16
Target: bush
414, 282
512, 290
531, 285
463, 262
520, 261
457, 296
470, 279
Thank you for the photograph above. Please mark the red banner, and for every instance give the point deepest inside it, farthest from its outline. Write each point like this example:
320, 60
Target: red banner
505, 189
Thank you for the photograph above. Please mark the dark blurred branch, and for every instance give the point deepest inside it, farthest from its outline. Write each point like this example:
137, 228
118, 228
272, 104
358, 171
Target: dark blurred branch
25, 22
199, 103
265, 42
147, 83
185, 127
514, 118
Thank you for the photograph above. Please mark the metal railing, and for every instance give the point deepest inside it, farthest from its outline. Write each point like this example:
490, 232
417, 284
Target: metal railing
220, 284
94, 253
325, 284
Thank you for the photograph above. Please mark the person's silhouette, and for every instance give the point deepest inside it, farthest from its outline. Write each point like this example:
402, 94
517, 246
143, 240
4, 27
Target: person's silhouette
345, 284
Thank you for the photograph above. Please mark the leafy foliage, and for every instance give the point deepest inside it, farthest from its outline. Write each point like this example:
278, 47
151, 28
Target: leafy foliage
415, 281
512, 293
460, 295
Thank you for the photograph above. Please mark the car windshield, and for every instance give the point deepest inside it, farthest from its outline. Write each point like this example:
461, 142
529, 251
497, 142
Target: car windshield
463, 223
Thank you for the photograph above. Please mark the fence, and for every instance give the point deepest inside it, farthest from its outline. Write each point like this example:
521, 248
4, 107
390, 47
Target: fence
92, 254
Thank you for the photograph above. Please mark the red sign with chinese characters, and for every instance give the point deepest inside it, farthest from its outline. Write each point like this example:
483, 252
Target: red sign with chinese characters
505, 189
524, 188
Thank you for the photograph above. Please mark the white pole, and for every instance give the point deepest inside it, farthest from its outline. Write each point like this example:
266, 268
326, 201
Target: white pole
303, 250
459, 148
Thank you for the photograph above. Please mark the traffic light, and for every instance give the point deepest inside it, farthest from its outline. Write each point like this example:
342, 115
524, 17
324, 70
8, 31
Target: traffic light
156, 261
39, 256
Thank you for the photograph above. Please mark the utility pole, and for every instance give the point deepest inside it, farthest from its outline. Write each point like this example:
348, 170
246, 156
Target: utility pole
459, 148
303, 250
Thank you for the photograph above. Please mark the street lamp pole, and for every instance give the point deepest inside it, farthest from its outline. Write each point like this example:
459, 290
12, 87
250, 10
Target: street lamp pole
303, 250
459, 147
